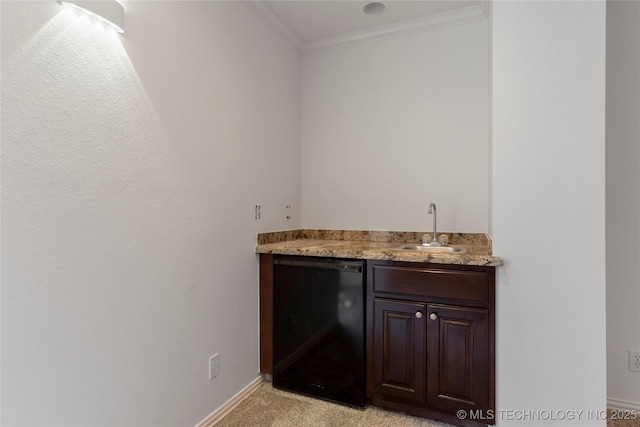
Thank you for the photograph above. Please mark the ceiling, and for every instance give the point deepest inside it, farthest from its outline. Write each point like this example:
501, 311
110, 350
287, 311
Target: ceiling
313, 20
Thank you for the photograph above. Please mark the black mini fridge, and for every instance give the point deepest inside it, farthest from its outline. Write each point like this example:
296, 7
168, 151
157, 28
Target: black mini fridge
318, 328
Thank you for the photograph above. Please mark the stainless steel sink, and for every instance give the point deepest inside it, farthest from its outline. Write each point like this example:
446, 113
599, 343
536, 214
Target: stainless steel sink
441, 249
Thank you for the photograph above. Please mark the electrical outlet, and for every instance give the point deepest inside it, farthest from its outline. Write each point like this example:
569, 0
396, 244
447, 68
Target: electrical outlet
214, 366
634, 361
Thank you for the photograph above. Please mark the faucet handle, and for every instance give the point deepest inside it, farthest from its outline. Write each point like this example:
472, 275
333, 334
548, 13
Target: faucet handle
443, 239
426, 239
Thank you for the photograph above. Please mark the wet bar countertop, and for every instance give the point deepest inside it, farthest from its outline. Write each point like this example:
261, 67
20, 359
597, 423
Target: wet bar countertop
381, 245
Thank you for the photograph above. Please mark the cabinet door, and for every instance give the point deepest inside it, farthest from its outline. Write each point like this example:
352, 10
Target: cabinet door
457, 358
399, 350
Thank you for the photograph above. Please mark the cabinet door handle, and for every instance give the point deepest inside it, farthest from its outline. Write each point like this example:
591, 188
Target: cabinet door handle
419, 314
433, 316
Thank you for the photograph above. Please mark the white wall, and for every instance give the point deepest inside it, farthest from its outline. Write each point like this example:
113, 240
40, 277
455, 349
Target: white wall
389, 126
623, 201
549, 207
130, 168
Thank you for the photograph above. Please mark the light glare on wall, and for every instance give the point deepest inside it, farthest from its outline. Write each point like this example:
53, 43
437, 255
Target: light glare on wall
108, 11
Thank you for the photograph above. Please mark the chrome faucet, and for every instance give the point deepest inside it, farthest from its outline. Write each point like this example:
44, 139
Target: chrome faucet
432, 210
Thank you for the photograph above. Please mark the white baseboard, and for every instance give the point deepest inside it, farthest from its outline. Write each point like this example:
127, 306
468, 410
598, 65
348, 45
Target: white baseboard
624, 405
230, 404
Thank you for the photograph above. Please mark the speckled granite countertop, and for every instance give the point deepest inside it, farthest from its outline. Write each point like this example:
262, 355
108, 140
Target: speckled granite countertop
382, 245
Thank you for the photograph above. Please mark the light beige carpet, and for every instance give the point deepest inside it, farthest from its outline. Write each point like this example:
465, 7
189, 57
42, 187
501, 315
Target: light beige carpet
269, 407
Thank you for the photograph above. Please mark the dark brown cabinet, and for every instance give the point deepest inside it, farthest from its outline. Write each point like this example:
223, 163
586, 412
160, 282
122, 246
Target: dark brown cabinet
430, 338
399, 370
457, 358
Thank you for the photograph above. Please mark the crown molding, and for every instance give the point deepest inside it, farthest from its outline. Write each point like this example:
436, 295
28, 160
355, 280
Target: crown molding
270, 18
412, 26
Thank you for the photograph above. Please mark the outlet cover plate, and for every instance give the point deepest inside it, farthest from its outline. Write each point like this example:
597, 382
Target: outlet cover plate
214, 366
